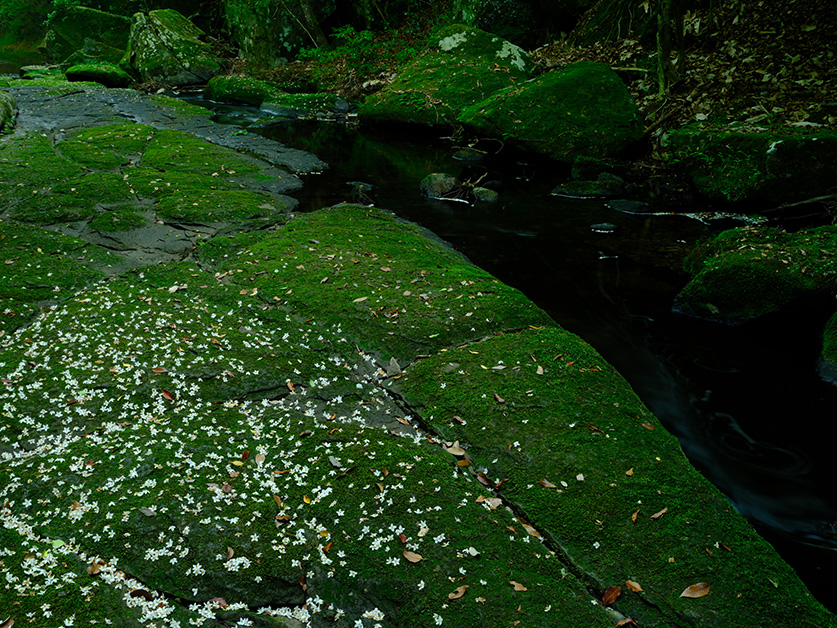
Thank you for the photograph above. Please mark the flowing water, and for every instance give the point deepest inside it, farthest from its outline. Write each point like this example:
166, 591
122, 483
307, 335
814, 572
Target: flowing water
745, 403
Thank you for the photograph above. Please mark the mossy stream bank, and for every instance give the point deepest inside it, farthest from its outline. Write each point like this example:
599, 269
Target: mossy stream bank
328, 420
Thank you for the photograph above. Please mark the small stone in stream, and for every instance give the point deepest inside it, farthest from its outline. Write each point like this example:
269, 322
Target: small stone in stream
629, 207
362, 193
603, 227
484, 195
393, 368
469, 155
438, 184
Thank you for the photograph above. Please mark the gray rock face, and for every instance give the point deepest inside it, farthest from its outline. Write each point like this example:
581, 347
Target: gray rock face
166, 47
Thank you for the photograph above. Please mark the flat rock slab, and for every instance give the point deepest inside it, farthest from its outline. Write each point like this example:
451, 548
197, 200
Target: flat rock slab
63, 108
204, 444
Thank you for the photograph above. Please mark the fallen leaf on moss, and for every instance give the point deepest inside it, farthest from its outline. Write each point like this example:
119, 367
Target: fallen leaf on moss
259, 459
517, 586
547, 484
167, 395
625, 622
648, 426
634, 516
221, 602
278, 500
141, 593
610, 595
230, 552
629, 472
158, 370
10, 621
412, 556
498, 398
633, 586
657, 515
460, 591
696, 590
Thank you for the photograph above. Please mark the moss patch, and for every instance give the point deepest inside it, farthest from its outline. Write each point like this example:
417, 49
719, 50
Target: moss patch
358, 271
466, 67
109, 75
583, 109
746, 273
577, 455
8, 110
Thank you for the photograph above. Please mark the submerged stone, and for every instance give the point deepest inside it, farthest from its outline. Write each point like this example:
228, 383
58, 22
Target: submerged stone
581, 109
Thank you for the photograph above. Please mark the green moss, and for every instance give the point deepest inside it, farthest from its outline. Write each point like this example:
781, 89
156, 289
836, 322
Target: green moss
8, 110
466, 67
223, 206
108, 74
241, 89
543, 407
70, 27
41, 267
117, 220
582, 109
181, 107
361, 272
746, 273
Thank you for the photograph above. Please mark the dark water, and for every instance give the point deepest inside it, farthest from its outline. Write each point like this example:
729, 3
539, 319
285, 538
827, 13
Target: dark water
746, 403
12, 60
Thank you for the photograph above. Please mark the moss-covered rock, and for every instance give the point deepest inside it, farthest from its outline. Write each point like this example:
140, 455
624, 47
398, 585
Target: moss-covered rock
73, 28
8, 111
271, 32
241, 89
41, 268
108, 74
777, 165
464, 67
166, 47
746, 273
581, 109
360, 271
564, 441
136, 188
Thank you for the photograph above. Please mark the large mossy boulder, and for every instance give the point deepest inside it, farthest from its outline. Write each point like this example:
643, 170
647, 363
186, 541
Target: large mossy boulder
167, 48
778, 165
465, 66
746, 273
271, 32
94, 34
8, 111
583, 109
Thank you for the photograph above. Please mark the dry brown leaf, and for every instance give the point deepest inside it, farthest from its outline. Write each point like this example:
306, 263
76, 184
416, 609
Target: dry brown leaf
648, 426
629, 472
460, 591
245, 454
610, 595
455, 450
141, 593
230, 552
358, 300
696, 590
278, 500
633, 586
412, 556
380, 486
547, 484
259, 459
95, 568
423, 532
657, 515
498, 398
10, 621
517, 586
158, 370
327, 547
402, 538
167, 395
625, 622
306, 499
221, 602
634, 516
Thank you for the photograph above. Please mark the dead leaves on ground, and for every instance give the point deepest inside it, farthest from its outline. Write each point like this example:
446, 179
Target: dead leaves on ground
412, 557
458, 593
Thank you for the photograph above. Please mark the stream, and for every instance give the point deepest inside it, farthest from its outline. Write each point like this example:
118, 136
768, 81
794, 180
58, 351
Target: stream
746, 403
